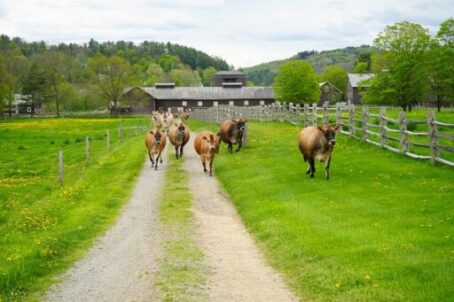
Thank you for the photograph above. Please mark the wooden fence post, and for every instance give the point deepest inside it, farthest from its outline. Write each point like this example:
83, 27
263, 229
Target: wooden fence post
433, 135
403, 132
60, 167
351, 122
87, 150
120, 134
364, 123
314, 114
325, 113
108, 139
306, 115
382, 126
338, 114
298, 114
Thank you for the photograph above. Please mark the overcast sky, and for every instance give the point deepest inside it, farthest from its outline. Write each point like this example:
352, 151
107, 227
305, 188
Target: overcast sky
244, 33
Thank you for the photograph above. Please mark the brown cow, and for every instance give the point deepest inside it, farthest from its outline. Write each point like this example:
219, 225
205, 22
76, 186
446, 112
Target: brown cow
206, 145
179, 136
168, 119
157, 120
317, 143
155, 141
232, 133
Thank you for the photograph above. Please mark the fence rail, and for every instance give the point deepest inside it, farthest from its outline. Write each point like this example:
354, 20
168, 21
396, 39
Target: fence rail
389, 133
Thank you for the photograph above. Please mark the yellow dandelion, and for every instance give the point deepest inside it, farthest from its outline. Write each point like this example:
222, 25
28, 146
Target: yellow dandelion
338, 285
38, 242
366, 277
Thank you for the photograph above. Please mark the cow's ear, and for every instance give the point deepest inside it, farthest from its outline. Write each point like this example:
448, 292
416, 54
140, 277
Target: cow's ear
321, 129
151, 132
212, 138
337, 127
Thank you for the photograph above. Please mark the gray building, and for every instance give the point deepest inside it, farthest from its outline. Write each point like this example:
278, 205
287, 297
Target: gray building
354, 88
225, 78
168, 97
329, 93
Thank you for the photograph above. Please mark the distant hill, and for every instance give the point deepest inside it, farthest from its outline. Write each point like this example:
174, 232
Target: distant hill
263, 74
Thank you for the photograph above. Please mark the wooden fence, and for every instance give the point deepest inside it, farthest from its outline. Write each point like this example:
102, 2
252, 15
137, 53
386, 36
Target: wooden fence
434, 139
122, 132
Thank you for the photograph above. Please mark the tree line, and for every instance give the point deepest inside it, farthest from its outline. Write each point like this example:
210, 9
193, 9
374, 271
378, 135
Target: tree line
75, 77
411, 67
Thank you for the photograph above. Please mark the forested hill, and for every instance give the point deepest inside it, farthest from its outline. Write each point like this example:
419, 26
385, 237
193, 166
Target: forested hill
194, 58
263, 74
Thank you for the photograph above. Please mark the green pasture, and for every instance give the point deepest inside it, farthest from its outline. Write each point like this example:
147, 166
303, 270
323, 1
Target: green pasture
44, 228
381, 229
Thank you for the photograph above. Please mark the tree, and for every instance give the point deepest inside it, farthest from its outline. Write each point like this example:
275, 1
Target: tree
404, 47
440, 70
111, 76
35, 86
185, 77
296, 82
208, 76
361, 67
337, 76
168, 62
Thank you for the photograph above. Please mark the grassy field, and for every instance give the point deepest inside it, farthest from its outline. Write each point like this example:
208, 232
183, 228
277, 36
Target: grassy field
382, 229
182, 272
45, 228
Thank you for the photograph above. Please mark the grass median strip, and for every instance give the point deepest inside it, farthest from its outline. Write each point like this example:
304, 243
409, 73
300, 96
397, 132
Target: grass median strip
182, 272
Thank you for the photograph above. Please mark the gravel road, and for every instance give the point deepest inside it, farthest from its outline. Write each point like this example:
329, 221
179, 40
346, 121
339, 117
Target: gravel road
122, 264
238, 270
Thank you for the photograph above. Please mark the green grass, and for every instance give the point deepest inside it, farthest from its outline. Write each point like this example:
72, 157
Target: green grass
381, 229
45, 228
182, 272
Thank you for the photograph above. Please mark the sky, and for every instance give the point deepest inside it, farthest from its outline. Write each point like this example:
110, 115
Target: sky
244, 33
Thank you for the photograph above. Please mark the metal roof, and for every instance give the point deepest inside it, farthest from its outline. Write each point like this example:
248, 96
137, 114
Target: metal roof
211, 93
230, 72
355, 78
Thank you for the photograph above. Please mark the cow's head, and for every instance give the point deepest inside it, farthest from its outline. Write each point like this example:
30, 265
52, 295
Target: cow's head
330, 133
180, 132
211, 143
157, 135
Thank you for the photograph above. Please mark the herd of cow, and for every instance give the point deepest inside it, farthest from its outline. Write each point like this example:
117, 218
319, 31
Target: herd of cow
315, 143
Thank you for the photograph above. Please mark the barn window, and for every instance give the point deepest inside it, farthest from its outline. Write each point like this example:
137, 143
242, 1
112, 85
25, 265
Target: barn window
246, 103
200, 103
29, 109
231, 103
326, 89
215, 103
184, 103
262, 103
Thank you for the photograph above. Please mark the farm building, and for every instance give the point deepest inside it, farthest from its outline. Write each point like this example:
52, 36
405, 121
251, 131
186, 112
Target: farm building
169, 97
329, 93
353, 87
22, 105
224, 77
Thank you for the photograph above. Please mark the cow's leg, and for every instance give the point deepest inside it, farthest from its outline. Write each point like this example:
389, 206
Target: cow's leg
211, 167
328, 162
230, 147
239, 145
181, 151
157, 160
151, 159
312, 166
176, 151
203, 164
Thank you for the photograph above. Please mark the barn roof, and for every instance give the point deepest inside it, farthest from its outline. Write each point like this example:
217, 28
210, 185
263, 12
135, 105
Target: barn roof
355, 78
211, 93
230, 72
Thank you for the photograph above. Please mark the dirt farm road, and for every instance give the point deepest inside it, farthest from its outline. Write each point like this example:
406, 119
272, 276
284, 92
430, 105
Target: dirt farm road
121, 265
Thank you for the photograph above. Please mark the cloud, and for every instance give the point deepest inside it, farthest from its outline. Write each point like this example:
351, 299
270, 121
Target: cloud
242, 32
